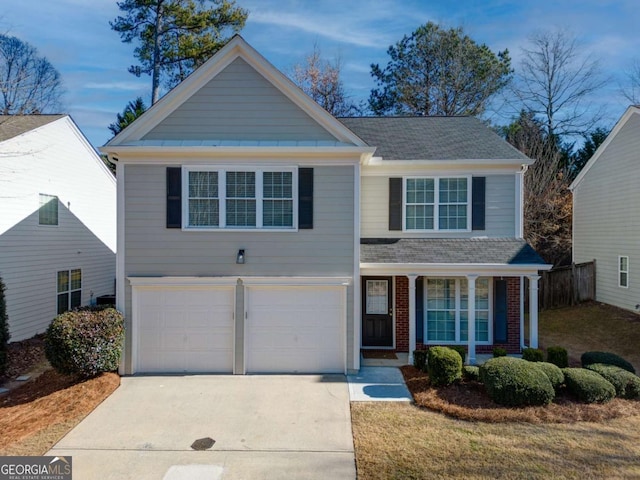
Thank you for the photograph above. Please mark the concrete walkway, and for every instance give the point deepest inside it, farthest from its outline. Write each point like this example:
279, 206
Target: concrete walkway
267, 427
378, 384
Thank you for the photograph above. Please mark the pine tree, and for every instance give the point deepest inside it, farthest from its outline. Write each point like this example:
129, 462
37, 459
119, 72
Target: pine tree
4, 330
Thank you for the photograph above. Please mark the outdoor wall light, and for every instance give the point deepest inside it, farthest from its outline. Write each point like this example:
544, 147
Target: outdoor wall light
240, 256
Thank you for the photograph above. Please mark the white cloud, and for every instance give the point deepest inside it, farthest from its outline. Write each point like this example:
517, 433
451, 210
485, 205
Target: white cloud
127, 86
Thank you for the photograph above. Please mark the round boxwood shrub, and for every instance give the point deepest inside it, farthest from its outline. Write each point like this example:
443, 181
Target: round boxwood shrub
553, 373
627, 384
558, 356
499, 352
85, 342
589, 358
533, 355
588, 386
471, 373
516, 382
462, 351
444, 366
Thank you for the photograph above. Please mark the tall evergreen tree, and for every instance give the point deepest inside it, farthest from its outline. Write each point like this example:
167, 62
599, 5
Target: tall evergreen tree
133, 110
4, 330
176, 36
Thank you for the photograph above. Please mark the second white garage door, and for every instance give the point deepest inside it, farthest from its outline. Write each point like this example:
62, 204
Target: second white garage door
185, 329
295, 329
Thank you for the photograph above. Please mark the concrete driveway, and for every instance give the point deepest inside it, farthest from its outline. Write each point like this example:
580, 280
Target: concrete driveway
267, 427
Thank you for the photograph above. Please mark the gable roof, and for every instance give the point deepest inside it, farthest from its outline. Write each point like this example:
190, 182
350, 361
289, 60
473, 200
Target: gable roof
493, 251
432, 138
237, 47
14, 125
632, 110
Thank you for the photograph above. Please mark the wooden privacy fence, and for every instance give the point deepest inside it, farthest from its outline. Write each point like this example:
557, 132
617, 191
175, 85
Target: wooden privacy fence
566, 286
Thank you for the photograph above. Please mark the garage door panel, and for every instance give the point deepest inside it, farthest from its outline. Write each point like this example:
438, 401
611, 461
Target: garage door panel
295, 329
185, 329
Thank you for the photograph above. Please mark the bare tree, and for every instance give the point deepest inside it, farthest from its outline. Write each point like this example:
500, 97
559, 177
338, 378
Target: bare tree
557, 83
320, 79
28, 82
630, 89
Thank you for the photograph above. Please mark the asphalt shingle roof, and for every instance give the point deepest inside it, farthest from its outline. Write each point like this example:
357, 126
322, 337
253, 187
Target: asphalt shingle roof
505, 251
431, 138
14, 125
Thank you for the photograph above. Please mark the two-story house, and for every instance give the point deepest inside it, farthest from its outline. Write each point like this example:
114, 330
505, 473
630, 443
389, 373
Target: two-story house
57, 221
258, 233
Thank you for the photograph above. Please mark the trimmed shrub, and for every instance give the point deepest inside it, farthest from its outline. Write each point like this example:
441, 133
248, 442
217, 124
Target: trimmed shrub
4, 330
588, 386
471, 373
589, 358
515, 382
553, 373
85, 343
461, 350
499, 352
444, 366
627, 385
420, 359
558, 356
533, 355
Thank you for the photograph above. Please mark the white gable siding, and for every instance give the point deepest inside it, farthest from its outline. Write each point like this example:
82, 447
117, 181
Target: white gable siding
54, 160
607, 216
500, 210
238, 104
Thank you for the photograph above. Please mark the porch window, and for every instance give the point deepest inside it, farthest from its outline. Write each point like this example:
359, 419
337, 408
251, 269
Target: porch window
446, 310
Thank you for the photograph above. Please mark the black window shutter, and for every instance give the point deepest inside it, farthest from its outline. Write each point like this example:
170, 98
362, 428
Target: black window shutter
395, 204
174, 197
478, 191
420, 310
500, 329
305, 198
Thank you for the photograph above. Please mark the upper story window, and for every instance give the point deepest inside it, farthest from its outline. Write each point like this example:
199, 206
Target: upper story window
241, 199
437, 203
623, 271
48, 211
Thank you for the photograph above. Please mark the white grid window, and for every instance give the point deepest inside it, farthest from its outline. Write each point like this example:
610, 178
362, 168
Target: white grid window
377, 297
48, 211
436, 204
446, 310
232, 198
69, 290
623, 271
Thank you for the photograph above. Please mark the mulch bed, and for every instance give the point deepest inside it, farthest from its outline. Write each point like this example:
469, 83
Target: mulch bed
469, 401
23, 356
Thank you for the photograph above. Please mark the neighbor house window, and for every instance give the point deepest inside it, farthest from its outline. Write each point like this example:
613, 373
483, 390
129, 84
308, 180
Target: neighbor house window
447, 310
437, 203
623, 272
241, 199
48, 211
69, 290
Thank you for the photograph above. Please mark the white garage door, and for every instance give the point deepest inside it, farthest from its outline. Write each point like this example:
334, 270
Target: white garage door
295, 329
185, 329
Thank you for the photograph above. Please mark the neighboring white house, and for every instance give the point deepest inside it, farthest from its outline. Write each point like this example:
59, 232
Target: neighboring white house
257, 233
606, 214
57, 221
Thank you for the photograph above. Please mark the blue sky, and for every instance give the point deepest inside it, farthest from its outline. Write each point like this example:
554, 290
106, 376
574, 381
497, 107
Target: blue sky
76, 38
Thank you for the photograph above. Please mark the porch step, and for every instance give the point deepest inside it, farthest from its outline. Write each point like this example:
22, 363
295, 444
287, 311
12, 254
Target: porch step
403, 359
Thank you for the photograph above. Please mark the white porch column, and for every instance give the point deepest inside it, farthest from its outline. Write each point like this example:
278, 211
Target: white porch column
533, 310
471, 329
412, 316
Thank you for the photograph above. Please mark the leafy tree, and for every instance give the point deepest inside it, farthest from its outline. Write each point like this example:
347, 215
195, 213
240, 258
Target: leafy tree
592, 141
547, 199
175, 36
320, 79
4, 330
435, 71
29, 84
133, 110
556, 82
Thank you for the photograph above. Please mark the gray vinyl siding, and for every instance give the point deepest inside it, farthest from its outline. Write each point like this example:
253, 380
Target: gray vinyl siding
30, 257
238, 104
324, 251
500, 210
607, 217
